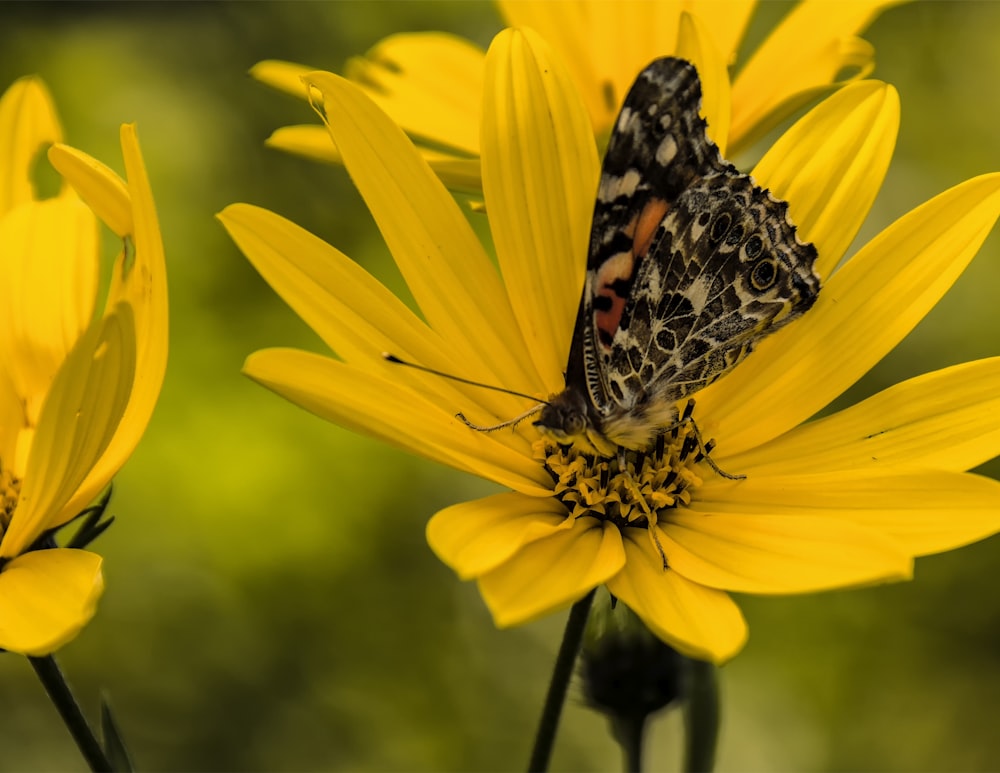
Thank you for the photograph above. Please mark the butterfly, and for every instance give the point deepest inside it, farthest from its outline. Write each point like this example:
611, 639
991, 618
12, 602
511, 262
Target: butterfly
690, 265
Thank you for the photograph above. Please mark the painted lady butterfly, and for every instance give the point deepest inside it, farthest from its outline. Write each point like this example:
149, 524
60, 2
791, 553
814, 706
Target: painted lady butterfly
690, 265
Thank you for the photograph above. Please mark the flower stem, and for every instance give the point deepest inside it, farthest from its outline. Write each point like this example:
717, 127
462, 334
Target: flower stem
701, 714
59, 693
561, 673
629, 732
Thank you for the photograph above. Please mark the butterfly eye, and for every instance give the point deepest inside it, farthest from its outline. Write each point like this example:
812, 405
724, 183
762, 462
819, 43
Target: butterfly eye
573, 424
763, 274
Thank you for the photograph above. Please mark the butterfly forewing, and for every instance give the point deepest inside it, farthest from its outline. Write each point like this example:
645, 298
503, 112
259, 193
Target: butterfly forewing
690, 264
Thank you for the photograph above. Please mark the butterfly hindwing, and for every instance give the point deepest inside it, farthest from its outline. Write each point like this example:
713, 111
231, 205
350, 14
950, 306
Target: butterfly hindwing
724, 270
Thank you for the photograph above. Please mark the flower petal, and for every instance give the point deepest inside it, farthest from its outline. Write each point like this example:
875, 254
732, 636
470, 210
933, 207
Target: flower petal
736, 550
28, 123
948, 419
368, 403
474, 538
313, 142
452, 279
283, 76
102, 190
49, 265
138, 282
864, 310
830, 166
924, 511
695, 43
784, 74
699, 622
536, 140
46, 598
429, 82
354, 314
80, 414
606, 45
549, 574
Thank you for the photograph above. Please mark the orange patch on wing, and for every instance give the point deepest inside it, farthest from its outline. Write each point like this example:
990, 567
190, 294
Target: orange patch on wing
620, 267
646, 224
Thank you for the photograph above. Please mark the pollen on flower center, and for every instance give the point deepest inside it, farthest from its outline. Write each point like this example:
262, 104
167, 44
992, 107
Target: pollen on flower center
633, 488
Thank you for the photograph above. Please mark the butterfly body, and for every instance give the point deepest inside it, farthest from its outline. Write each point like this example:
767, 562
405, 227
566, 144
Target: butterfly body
690, 265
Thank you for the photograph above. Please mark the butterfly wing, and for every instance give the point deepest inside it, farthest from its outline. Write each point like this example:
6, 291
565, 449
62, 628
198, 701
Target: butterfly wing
657, 149
690, 263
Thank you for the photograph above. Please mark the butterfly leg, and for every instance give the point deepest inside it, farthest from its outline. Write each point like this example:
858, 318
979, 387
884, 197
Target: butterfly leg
704, 449
651, 529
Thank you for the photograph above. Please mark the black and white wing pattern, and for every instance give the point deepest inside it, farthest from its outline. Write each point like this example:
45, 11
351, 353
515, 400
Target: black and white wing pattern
690, 264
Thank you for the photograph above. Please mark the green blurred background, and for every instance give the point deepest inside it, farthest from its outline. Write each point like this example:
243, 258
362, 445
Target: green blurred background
271, 602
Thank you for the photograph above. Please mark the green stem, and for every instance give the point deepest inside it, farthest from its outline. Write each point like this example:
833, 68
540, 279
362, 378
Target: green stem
701, 718
629, 732
561, 673
59, 693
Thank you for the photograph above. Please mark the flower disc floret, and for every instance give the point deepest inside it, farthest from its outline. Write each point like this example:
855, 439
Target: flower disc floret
632, 489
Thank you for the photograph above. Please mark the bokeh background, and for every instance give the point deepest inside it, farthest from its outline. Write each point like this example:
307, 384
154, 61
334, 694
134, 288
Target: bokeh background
271, 602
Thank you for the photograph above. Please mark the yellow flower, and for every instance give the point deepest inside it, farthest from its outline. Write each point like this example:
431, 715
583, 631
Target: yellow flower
842, 501
76, 388
432, 83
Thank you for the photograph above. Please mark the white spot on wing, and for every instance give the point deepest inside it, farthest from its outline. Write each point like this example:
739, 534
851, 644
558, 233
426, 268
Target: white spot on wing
667, 150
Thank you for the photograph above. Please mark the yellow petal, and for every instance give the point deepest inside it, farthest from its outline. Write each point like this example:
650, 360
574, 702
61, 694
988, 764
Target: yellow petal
314, 142
549, 574
353, 313
948, 419
283, 76
830, 166
49, 265
430, 83
605, 45
924, 511
350, 310
46, 598
78, 418
732, 549
381, 407
28, 123
310, 141
536, 140
474, 538
443, 262
13, 425
103, 190
699, 622
864, 310
801, 59
695, 43
139, 282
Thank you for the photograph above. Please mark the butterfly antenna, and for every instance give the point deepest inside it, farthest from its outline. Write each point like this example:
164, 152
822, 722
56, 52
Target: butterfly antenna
461, 417
494, 427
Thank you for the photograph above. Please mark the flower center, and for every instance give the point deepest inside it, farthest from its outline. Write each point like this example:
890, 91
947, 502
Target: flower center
633, 488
